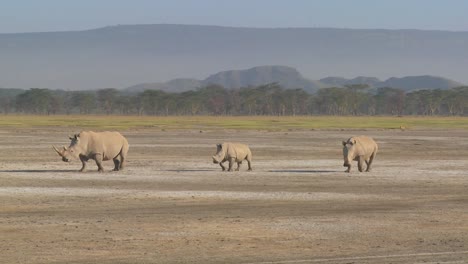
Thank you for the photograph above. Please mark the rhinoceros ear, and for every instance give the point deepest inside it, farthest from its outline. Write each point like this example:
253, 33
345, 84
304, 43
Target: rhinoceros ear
219, 145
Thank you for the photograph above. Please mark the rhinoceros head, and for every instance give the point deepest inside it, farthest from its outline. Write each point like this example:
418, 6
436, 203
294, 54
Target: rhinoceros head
72, 152
349, 148
220, 154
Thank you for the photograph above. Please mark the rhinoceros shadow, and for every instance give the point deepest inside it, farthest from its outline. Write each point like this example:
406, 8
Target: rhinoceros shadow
306, 171
37, 171
191, 170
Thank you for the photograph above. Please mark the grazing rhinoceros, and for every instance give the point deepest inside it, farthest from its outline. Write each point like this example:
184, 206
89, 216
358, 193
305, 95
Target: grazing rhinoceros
98, 146
361, 149
232, 152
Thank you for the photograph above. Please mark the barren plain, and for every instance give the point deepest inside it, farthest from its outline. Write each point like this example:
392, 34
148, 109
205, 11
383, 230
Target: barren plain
173, 205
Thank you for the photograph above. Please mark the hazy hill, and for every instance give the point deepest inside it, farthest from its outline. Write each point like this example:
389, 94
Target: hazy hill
287, 77
340, 81
412, 83
408, 83
10, 92
121, 56
174, 86
290, 78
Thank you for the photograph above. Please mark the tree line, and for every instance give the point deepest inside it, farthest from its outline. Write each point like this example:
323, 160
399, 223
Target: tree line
270, 99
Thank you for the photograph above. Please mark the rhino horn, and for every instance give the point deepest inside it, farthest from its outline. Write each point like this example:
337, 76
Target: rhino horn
58, 151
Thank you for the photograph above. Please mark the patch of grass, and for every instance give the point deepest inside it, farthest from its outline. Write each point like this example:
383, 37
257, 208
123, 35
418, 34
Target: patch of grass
233, 122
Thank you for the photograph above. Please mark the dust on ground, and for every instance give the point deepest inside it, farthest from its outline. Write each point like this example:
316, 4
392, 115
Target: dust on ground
173, 205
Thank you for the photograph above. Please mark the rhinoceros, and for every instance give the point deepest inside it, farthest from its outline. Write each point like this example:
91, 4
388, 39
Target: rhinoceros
99, 146
232, 152
361, 149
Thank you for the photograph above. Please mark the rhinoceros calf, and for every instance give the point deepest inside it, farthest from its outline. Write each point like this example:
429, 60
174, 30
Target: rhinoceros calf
99, 146
232, 152
361, 149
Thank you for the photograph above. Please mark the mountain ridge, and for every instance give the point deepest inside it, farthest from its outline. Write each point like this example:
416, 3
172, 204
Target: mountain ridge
147, 25
291, 78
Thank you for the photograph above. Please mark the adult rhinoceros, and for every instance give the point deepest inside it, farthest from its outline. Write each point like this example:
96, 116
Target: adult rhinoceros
99, 146
361, 149
232, 152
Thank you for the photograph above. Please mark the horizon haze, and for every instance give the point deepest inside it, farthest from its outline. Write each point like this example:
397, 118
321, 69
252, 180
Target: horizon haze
58, 15
78, 45
126, 55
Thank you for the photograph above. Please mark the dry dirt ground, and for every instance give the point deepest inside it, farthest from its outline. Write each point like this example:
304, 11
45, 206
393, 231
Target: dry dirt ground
173, 205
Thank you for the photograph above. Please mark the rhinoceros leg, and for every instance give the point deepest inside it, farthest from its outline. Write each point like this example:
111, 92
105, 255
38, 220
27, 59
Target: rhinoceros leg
361, 163
249, 161
238, 165
83, 165
116, 164
83, 168
370, 162
98, 159
122, 161
222, 167
231, 162
349, 168
123, 157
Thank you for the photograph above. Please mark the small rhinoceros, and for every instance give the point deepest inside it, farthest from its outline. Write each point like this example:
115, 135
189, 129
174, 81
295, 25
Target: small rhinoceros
361, 149
99, 146
232, 152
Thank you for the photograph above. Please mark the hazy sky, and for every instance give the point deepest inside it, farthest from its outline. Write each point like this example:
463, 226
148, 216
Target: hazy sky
60, 15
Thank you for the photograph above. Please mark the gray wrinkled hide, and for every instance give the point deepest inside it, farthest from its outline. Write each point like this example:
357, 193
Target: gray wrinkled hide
233, 153
362, 149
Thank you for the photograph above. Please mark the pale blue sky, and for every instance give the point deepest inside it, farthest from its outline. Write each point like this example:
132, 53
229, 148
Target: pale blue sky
62, 15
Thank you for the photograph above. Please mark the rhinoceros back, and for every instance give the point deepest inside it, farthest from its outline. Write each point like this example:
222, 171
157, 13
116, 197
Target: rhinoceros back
238, 151
366, 144
109, 144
